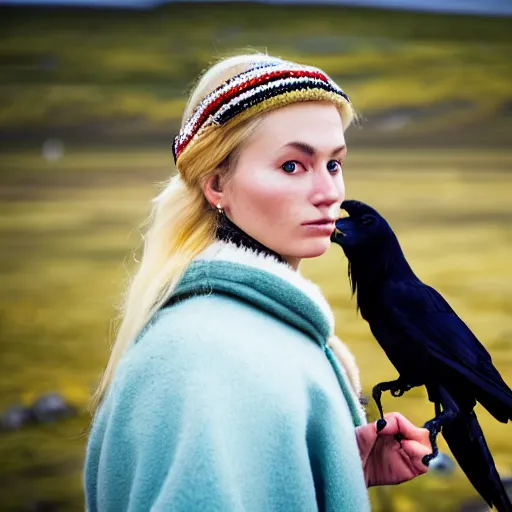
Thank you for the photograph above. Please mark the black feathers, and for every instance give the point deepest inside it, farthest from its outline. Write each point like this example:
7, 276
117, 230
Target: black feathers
428, 344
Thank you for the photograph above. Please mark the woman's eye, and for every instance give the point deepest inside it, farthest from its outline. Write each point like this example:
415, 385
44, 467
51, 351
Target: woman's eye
289, 167
333, 166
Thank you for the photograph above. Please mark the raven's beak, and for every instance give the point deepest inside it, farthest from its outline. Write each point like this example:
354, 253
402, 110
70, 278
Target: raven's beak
337, 236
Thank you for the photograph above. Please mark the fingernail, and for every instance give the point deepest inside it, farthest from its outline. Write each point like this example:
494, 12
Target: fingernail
381, 424
399, 437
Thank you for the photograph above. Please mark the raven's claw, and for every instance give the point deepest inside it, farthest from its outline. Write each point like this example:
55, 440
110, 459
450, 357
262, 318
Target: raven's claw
397, 388
434, 427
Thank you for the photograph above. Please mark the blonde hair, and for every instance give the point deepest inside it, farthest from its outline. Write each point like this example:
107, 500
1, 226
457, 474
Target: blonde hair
181, 223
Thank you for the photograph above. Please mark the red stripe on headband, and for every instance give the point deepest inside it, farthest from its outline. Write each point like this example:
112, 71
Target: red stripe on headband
244, 86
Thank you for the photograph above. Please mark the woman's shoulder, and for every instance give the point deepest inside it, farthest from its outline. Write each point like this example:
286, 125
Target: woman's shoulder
208, 317
215, 334
215, 322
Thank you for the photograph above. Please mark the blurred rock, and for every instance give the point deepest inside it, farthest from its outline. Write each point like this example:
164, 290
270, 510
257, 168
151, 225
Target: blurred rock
51, 407
48, 408
442, 465
15, 417
53, 149
394, 122
44, 506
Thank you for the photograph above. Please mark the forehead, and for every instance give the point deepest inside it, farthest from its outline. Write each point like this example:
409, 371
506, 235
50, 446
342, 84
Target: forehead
315, 123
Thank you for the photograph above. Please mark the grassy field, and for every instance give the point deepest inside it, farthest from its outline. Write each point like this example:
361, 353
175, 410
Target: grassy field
68, 230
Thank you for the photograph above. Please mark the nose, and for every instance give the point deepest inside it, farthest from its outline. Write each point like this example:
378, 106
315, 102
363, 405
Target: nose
328, 188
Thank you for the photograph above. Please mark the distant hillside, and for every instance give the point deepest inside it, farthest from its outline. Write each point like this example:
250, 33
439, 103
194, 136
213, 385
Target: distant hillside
115, 76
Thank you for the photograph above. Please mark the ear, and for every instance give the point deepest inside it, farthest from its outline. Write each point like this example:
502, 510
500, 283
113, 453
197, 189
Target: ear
212, 190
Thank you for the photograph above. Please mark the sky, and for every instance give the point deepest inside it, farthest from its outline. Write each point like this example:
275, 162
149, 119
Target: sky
493, 7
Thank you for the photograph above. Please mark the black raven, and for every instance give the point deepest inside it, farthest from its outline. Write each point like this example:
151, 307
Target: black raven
428, 344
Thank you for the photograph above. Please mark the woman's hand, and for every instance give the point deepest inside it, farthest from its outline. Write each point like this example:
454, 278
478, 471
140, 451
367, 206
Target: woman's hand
394, 454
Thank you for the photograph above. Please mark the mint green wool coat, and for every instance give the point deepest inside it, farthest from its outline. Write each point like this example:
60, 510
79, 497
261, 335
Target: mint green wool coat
231, 399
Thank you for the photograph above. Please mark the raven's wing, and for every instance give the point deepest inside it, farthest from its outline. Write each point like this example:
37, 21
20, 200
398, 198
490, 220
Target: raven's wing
425, 317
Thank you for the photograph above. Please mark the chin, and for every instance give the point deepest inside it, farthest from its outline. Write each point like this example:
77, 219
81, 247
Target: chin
311, 248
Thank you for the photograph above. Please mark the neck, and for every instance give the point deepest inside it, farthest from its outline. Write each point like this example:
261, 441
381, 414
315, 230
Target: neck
293, 262
228, 231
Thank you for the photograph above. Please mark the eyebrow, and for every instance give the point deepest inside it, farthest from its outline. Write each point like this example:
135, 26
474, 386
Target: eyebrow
310, 150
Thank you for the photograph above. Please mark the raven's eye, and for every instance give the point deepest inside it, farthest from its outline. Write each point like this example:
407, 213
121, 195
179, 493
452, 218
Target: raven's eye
367, 220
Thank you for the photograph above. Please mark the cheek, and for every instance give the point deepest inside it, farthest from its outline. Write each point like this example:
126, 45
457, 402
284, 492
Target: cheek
268, 195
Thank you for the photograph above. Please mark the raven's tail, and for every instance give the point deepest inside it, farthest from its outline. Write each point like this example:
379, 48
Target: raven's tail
467, 443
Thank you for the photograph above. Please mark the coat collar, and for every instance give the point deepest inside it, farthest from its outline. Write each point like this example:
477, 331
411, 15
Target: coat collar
225, 251
262, 280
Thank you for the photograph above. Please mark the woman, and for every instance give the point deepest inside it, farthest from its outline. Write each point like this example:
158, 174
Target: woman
226, 389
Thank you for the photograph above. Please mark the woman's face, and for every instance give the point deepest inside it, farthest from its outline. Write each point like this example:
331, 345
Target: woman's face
287, 176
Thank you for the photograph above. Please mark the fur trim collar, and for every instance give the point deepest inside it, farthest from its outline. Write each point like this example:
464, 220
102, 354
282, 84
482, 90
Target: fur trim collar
225, 251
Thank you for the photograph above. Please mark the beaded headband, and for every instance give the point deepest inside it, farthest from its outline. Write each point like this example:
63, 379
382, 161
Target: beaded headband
265, 86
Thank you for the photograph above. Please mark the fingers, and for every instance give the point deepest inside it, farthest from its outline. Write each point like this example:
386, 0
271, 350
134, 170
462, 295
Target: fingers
398, 424
416, 451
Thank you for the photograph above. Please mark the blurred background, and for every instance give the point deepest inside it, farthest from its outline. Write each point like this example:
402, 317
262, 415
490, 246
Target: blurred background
90, 99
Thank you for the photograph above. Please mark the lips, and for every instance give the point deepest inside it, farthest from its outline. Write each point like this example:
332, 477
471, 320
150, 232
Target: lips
320, 222
320, 228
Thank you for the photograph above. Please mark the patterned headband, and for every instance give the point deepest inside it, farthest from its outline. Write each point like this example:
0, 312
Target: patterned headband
266, 86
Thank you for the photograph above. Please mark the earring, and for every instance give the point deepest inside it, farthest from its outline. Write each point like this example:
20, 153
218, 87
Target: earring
219, 209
